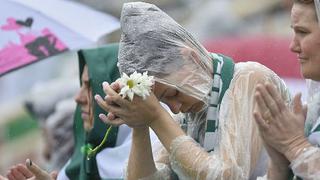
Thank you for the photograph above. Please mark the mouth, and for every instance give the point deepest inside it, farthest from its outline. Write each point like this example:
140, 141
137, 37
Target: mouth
302, 59
84, 115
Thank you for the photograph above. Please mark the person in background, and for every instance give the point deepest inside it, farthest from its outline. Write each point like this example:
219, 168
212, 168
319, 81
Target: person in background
292, 137
54, 110
96, 65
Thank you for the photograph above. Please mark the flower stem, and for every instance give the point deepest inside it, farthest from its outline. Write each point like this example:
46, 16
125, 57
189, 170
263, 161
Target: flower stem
95, 150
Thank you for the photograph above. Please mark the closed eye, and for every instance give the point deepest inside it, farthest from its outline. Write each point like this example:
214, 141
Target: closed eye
300, 30
169, 93
172, 93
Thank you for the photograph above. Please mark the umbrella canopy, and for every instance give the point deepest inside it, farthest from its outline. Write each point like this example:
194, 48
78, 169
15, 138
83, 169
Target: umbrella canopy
31, 30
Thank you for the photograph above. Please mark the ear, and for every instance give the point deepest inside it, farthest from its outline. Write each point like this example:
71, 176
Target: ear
190, 53
197, 59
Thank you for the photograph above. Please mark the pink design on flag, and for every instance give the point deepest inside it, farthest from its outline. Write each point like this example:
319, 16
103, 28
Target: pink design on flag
12, 25
32, 46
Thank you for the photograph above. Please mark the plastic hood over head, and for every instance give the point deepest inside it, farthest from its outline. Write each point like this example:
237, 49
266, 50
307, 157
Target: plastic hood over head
152, 41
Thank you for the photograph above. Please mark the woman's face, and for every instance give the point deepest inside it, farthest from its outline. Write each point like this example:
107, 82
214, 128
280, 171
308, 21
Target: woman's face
306, 40
177, 101
84, 99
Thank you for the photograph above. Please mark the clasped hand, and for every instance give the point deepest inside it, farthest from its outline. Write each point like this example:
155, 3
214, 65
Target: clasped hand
135, 113
280, 127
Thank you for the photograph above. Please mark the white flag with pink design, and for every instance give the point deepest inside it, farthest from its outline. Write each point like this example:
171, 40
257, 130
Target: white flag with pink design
32, 30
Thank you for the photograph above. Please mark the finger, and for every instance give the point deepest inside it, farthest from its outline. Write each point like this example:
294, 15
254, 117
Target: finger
2, 178
114, 122
115, 109
297, 104
269, 102
117, 101
111, 116
108, 89
115, 86
17, 174
10, 176
114, 97
262, 125
104, 118
276, 96
54, 175
101, 102
36, 170
109, 101
23, 169
264, 111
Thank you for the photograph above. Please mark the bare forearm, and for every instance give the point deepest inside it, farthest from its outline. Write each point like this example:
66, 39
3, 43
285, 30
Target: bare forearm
278, 171
188, 156
141, 163
166, 129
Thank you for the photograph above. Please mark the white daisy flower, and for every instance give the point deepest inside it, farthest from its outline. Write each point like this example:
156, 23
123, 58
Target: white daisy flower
136, 83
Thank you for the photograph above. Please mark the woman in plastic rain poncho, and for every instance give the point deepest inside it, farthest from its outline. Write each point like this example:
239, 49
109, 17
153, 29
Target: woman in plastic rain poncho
217, 138
282, 130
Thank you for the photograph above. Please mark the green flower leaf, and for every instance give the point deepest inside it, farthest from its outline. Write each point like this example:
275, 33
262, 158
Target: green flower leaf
88, 150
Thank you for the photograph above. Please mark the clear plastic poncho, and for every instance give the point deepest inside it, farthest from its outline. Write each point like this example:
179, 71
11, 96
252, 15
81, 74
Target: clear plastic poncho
152, 41
307, 165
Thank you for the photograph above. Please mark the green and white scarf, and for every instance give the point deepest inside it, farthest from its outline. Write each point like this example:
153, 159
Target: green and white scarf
223, 73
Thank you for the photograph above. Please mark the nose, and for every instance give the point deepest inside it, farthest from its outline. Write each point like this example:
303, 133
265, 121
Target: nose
294, 45
174, 106
80, 97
